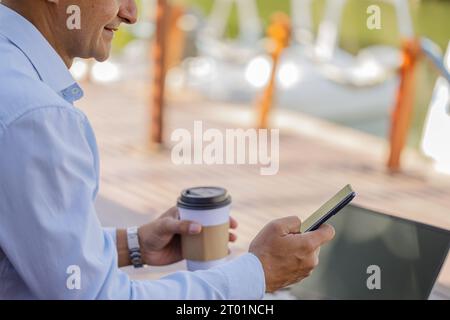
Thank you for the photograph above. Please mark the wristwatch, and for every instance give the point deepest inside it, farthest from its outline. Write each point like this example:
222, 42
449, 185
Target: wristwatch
133, 247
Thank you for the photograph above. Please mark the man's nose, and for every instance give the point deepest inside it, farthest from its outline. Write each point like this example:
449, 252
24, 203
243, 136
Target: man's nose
128, 11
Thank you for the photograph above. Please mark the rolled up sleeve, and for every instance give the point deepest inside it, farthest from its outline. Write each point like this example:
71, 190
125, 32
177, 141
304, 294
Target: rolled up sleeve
49, 227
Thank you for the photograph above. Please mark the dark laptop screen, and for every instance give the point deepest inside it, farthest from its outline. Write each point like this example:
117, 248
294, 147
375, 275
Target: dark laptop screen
376, 256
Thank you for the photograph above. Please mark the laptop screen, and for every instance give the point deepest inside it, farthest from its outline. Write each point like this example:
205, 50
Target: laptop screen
376, 256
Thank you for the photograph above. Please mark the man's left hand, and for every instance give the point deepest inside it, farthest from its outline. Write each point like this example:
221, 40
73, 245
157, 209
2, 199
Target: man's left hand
160, 240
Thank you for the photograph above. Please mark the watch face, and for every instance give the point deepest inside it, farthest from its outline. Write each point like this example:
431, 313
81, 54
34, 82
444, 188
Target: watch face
132, 237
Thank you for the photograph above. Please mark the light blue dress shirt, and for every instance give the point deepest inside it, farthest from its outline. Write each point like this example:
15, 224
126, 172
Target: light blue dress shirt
49, 178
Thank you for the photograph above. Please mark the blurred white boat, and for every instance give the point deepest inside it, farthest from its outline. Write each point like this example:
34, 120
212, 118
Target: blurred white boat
336, 85
315, 76
436, 136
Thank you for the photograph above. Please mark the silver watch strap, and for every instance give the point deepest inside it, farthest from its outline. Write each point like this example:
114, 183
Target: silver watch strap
133, 247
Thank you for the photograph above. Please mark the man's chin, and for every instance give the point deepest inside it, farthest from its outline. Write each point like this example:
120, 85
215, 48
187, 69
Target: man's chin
102, 56
98, 55
102, 53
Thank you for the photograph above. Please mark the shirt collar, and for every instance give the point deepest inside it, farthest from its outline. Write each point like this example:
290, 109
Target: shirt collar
48, 64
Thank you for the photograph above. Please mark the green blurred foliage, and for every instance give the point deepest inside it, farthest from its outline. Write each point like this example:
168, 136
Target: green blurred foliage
431, 19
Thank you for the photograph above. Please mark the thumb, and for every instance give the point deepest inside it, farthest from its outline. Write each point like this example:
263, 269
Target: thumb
320, 236
184, 227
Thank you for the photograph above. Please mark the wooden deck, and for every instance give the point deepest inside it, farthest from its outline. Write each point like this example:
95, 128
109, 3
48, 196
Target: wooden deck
316, 158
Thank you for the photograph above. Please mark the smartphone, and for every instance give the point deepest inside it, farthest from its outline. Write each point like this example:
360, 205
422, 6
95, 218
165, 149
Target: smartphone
328, 209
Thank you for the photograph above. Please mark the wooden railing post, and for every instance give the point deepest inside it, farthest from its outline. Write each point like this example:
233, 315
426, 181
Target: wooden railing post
176, 37
404, 103
159, 72
279, 32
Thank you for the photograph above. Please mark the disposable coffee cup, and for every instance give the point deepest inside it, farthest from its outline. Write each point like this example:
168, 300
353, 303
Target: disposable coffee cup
209, 207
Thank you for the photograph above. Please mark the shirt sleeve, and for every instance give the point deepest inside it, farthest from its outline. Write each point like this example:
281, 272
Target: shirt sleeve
50, 232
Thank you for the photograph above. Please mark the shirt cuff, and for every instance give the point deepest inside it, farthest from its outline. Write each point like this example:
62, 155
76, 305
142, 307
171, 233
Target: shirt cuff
112, 232
245, 276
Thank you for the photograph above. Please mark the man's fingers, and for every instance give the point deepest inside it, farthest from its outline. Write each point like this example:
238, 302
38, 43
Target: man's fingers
232, 237
313, 239
327, 232
287, 225
233, 223
317, 252
172, 213
172, 225
182, 227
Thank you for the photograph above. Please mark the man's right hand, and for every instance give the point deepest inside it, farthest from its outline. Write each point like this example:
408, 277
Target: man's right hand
288, 256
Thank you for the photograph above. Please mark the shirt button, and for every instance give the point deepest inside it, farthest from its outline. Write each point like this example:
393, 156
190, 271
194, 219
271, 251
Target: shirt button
75, 91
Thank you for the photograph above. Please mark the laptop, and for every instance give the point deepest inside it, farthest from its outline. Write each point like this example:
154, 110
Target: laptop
376, 256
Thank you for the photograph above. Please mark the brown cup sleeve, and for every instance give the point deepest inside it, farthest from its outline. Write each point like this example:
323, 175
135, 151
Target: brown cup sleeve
210, 244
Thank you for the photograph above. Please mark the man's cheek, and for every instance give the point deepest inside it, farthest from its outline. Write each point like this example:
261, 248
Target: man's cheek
106, 12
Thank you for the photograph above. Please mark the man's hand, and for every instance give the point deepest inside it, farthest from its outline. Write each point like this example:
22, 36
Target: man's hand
288, 256
160, 239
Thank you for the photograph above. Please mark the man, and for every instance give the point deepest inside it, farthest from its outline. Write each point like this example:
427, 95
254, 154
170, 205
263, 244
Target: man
49, 180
